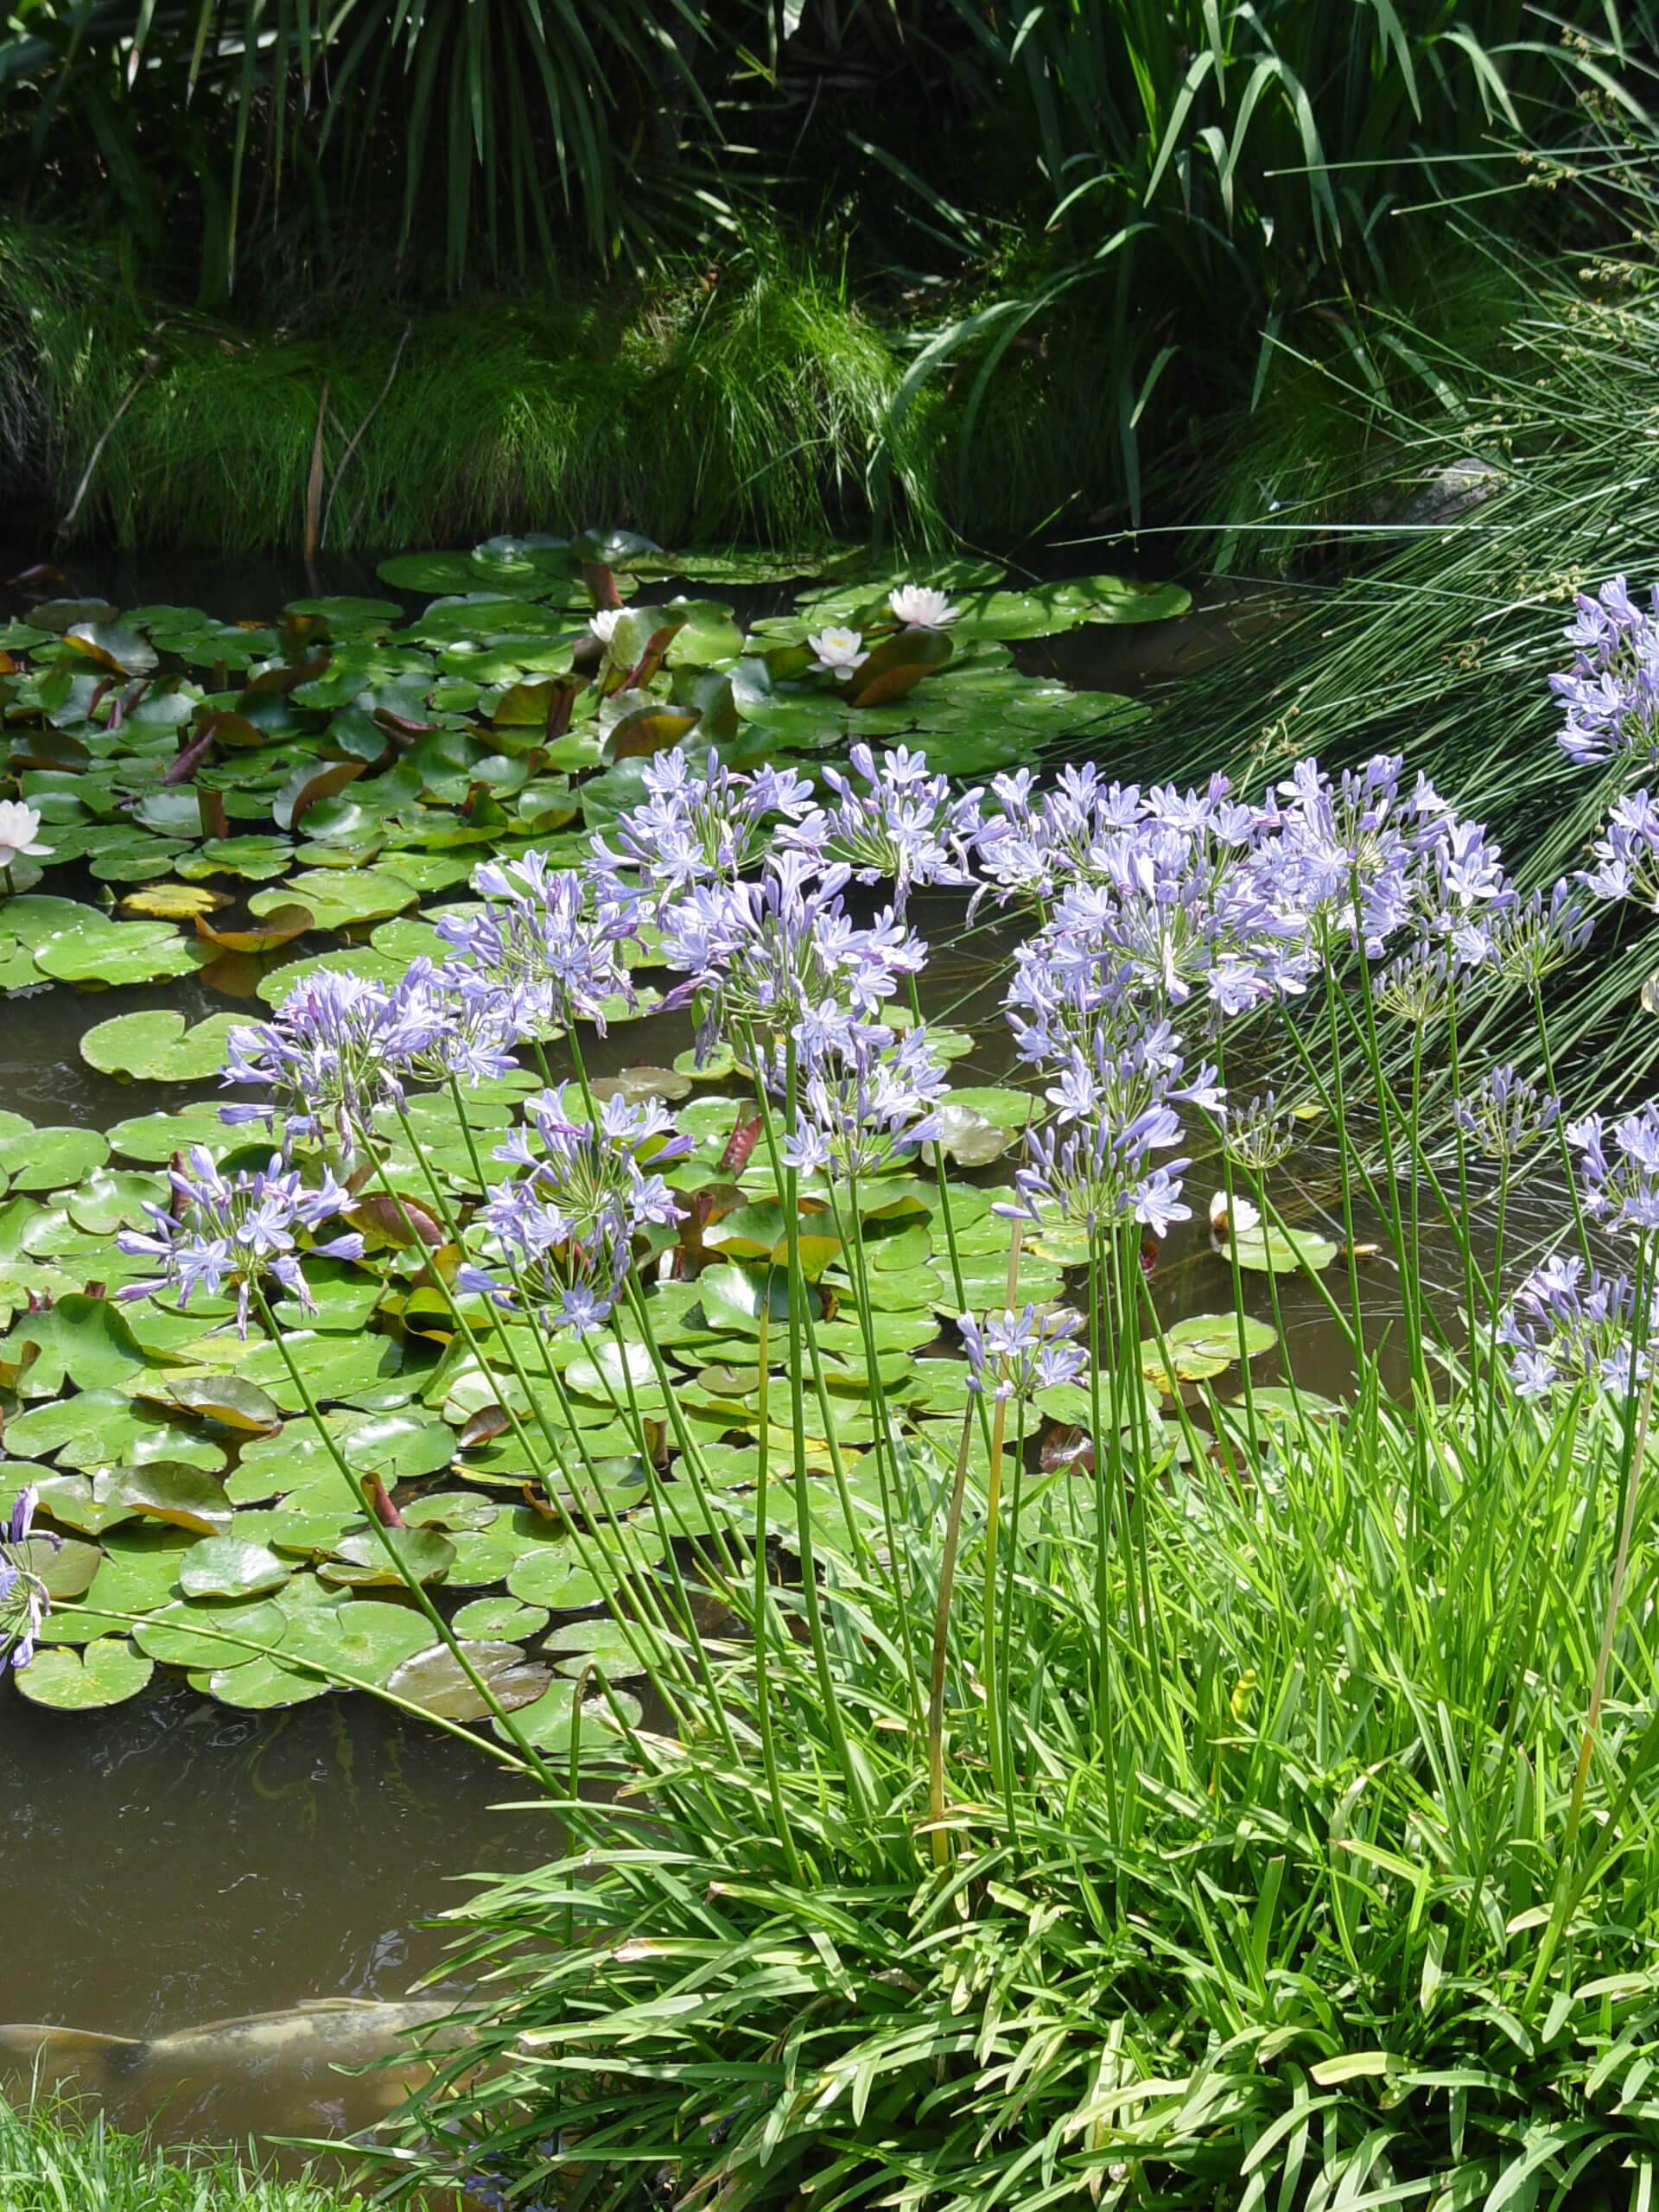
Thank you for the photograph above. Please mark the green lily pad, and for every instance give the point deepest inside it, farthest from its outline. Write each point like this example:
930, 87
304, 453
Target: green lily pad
157, 1047
361, 1562
1203, 1344
81, 1340
364, 1636
200, 1634
505, 1620
186, 1497
47, 1159
1283, 1251
228, 1566
551, 1721
108, 953
107, 1672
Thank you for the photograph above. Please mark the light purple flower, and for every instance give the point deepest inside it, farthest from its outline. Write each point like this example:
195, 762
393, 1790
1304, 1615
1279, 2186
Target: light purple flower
232, 1231
1012, 1355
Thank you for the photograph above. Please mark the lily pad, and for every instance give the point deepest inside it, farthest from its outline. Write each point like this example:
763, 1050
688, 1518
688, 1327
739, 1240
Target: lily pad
228, 1566
107, 1672
435, 1681
157, 1047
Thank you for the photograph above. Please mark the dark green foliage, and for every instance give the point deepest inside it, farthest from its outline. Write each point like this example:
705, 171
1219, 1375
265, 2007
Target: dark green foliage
744, 404
471, 132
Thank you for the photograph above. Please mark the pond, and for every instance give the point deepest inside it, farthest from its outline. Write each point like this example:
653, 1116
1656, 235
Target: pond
175, 1856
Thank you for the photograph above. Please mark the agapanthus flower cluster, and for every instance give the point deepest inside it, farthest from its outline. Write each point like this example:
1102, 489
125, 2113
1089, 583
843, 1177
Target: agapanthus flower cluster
1505, 1114
1619, 1166
866, 1102
1611, 693
1010, 1355
325, 1057
24, 1599
905, 826
564, 1226
1260, 1133
707, 826
453, 1022
782, 954
552, 953
1569, 1327
1532, 938
1626, 853
232, 1231
1033, 845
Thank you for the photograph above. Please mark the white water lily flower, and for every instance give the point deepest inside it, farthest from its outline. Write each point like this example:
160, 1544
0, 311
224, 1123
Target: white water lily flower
839, 652
918, 606
18, 823
603, 625
1238, 1219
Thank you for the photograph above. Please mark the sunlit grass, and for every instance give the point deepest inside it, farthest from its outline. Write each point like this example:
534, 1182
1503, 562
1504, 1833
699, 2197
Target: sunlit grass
55, 2160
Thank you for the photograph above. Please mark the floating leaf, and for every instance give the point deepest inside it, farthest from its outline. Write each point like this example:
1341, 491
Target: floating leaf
157, 1047
1203, 1344
85, 1341
435, 1681
228, 1399
364, 1637
282, 925
47, 1159
499, 1619
229, 1566
1283, 1251
361, 1562
173, 902
186, 1497
198, 1634
107, 1672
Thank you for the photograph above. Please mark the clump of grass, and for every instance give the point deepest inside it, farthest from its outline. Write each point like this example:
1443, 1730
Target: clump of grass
54, 2160
745, 402
1290, 1921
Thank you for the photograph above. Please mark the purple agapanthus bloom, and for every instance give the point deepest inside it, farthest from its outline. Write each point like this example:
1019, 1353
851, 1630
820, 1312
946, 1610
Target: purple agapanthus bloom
1011, 1355
564, 1227
1505, 1114
707, 826
1619, 1166
1569, 1327
541, 940
783, 951
1627, 853
232, 1231
325, 1057
905, 826
866, 1103
24, 1599
1609, 696
1534, 937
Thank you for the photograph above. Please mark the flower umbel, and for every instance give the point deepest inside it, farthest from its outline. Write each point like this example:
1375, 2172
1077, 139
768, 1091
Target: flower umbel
1010, 1355
231, 1232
